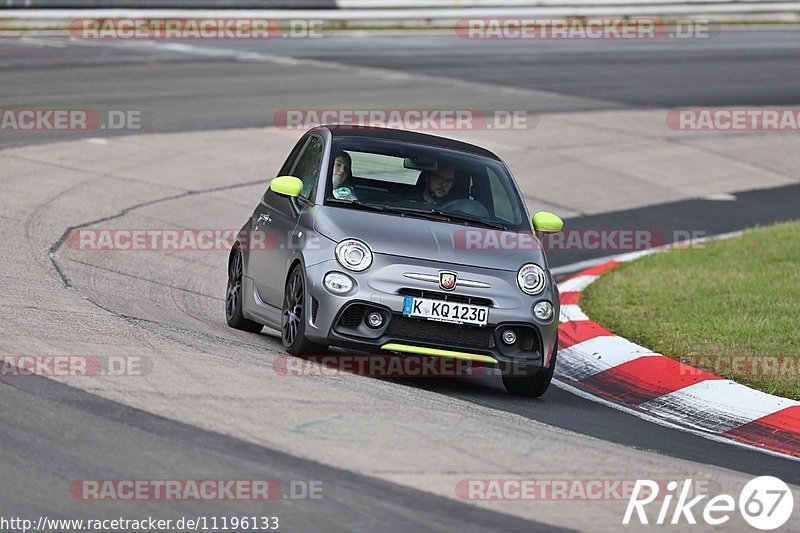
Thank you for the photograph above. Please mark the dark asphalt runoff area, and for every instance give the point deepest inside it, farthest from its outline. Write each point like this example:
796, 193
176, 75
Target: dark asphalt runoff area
219, 86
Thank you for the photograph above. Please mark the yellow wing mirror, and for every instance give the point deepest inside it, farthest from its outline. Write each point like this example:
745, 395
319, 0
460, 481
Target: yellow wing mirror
287, 186
547, 222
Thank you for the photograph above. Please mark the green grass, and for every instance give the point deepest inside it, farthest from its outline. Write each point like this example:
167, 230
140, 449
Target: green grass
736, 297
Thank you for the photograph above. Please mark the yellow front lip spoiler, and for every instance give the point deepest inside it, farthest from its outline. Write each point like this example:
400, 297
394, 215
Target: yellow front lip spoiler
434, 352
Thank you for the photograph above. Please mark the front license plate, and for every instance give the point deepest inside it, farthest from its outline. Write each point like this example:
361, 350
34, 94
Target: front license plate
442, 311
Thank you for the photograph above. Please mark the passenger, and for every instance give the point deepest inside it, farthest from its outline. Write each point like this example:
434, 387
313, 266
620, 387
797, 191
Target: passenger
343, 188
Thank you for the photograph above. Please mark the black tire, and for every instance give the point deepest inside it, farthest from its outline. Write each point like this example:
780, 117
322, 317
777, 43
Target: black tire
233, 297
293, 317
534, 385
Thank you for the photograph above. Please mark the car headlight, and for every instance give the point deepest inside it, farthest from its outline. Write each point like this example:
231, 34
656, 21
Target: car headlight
353, 255
531, 279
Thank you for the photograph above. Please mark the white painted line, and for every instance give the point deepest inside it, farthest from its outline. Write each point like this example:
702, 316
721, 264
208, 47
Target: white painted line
716, 405
633, 256
595, 355
720, 197
665, 423
580, 265
576, 284
571, 312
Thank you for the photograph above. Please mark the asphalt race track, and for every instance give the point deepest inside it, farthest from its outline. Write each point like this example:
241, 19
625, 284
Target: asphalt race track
389, 453
242, 84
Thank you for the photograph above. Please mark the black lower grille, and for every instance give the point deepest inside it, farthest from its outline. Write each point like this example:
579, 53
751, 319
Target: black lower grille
353, 316
441, 332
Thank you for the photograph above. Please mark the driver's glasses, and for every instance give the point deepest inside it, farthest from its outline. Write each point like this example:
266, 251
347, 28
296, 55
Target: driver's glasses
442, 179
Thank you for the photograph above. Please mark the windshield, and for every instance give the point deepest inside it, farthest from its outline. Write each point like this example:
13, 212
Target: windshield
416, 180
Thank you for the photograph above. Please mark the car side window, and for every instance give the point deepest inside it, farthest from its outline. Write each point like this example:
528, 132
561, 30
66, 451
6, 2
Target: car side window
309, 165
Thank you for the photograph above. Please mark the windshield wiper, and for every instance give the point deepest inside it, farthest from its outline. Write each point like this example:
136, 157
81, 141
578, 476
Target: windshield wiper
438, 214
424, 213
470, 218
374, 207
433, 214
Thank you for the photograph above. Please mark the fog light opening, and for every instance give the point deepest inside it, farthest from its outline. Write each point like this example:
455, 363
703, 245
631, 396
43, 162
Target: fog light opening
509, 336
338, 283
374, 319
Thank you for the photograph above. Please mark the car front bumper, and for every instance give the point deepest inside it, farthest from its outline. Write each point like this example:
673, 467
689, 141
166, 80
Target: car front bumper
334, 319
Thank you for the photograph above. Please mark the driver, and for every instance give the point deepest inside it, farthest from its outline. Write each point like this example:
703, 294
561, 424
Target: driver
437, 184
343, 177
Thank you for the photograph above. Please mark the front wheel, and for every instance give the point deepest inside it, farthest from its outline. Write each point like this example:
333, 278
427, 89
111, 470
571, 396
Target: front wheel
233, 297
533, 385
293, 317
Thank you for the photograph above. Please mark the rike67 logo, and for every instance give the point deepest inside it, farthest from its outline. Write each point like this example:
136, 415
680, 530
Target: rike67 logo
765, 503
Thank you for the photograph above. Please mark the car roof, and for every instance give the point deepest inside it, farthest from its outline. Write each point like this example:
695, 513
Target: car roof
392, 134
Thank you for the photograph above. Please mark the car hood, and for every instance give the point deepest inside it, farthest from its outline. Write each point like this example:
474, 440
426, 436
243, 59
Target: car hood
429, 239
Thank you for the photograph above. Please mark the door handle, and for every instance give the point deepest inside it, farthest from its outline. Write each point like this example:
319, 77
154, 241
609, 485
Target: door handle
263, 219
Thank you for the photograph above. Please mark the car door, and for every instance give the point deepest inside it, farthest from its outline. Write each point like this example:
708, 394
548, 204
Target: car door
276, 219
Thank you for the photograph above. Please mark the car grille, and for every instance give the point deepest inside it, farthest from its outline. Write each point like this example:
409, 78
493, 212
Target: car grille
353, 316
441, 332
447, 296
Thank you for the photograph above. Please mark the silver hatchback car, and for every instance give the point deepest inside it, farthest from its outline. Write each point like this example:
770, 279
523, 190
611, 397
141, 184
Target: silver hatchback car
389, 241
